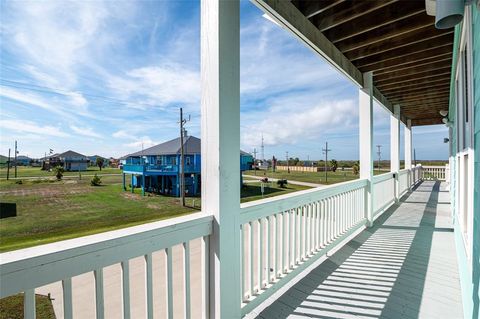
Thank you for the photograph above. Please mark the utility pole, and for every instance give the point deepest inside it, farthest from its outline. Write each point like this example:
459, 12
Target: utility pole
16, 159
414, 158
288, 163
8, 165
255, 161
325, 151
379, 153
182, 157
263, 150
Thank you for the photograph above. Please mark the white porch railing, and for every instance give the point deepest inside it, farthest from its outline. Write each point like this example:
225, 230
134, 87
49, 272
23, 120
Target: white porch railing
384, 192
27, 269
434, 173
279, 238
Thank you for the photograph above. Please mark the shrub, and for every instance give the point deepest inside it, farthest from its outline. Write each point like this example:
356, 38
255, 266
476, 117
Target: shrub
282, 183
58, 170
96, 181
19, 182
356, 168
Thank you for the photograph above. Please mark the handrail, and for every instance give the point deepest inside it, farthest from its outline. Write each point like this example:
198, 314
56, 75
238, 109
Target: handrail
262, 208
37, 266
382, 177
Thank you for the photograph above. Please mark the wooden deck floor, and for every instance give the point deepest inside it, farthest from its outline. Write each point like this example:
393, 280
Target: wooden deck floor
403, 267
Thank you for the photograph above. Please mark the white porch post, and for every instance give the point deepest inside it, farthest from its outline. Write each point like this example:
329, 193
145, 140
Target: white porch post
395, 145
366, 141
408, 151
220, 125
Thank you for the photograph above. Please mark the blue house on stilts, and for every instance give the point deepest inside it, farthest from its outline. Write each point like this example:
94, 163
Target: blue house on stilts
157, 169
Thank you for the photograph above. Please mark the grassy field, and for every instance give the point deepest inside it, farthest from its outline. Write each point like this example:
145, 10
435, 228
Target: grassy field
310, 177
12, 307
28, 171
50, 210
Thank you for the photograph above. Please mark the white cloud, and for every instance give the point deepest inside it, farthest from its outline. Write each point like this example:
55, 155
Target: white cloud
85, 131
142, 142
159, 85
30, 127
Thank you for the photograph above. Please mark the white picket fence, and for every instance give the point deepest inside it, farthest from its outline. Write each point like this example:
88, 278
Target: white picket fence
279, 238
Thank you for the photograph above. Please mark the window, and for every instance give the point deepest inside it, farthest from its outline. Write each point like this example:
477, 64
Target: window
159, 160
187, 160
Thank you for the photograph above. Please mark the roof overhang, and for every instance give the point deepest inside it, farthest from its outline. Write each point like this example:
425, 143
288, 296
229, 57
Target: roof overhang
396, 40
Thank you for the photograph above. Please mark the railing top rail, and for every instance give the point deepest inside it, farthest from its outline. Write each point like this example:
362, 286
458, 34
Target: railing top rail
382, 177
433, 166
268, 206
403, 171
48, 263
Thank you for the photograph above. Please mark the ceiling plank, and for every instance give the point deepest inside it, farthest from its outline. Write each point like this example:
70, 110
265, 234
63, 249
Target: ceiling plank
415, 22
403, 41
383, 16
446, 39
422, 122
408, 99
408, 59
415, 88
413, 71
415, 92
347, 11
443, 100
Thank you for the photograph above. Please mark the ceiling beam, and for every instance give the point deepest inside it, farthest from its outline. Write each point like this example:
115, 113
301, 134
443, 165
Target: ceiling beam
424, 82
446, 39
445, 58
414, 77
408, 59
440, 87
312, 8
430, 121
429, 94
347, 11
413, 23
425, 101
413, 71
383, 17
402, 42
402, 100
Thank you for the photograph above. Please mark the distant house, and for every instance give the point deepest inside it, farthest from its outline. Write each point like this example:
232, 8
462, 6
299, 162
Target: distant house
70, 161
93, 160
23, 160
157, 169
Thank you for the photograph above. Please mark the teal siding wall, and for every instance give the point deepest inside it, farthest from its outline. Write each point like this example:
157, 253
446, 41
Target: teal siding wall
469, 271
476, 200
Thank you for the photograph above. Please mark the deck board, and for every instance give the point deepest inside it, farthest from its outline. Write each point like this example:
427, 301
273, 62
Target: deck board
403, 267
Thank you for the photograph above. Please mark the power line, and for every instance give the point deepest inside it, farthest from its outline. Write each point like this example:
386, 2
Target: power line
379, 153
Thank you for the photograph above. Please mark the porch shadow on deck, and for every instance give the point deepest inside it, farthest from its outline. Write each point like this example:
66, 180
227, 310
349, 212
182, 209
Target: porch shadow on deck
403, 267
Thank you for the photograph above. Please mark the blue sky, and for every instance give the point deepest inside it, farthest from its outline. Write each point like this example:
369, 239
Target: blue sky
106, 77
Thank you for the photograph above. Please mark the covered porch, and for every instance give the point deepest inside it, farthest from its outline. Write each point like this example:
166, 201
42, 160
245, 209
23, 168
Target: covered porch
385, 241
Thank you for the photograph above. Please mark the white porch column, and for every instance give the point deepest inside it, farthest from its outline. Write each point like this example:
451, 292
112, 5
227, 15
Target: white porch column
220, 125
365, 98
408, 151
395, 145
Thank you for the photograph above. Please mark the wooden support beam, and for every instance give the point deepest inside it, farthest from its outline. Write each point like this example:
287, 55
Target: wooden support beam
446, 39
433, 74
447, 63
389, 31
220, 130
402, 42
347, 11
384, 16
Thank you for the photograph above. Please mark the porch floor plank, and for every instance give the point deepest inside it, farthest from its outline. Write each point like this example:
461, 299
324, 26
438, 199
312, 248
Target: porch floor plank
404, 266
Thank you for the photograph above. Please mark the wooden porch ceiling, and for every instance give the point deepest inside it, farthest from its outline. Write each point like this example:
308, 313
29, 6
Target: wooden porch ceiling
394, 39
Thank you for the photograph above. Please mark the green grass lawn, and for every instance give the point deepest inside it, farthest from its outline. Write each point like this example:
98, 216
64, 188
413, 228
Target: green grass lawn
12, 307
50, 210
28, 171
310, 177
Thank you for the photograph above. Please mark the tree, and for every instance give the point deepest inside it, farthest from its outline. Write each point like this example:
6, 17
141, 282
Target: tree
58, 170
356, 168
99, 162
334, 165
